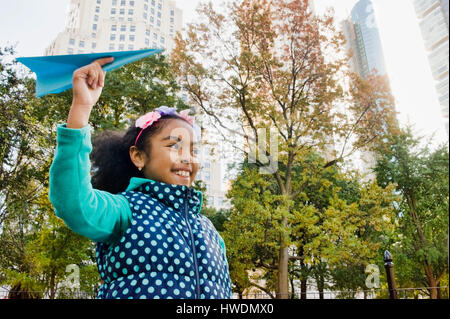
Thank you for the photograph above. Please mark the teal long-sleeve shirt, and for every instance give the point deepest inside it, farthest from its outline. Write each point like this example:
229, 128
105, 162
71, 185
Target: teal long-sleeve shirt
96, 214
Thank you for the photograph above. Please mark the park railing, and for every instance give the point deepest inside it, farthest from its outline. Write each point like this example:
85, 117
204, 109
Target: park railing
402, 293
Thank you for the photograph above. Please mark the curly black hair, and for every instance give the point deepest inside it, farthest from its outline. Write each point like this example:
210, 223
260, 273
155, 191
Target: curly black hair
112, 167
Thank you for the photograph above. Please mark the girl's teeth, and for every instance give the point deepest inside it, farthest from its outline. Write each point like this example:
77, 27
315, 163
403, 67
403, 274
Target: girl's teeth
182, 173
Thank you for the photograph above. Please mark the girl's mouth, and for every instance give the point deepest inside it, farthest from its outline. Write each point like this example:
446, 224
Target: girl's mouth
183, 176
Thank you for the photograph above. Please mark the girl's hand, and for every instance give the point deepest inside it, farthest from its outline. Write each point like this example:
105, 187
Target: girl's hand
88, 83
87, 86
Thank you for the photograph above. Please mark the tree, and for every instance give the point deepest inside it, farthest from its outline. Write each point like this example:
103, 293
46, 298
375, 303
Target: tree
266, 59
422, 178
335, 221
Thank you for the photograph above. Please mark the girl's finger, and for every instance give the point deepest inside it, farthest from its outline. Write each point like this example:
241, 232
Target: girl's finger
102, 78
104, 61
92, 77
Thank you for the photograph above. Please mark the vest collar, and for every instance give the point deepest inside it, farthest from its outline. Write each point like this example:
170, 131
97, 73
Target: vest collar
171, 195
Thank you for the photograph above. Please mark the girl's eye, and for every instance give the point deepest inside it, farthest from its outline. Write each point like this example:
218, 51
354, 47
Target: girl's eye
175, 146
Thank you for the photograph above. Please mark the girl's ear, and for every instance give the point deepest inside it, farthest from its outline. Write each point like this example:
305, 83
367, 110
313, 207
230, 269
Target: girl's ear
137, 157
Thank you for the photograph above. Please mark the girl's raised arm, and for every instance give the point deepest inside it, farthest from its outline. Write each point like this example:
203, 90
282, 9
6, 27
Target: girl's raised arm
98, 215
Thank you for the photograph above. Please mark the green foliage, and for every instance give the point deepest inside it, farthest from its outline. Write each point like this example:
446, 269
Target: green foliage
336, 227
421, 175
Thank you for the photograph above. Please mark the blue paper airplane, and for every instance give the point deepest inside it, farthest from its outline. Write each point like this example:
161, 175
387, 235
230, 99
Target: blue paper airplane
54, 73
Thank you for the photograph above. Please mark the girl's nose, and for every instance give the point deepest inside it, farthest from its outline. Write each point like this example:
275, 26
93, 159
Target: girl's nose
185, 156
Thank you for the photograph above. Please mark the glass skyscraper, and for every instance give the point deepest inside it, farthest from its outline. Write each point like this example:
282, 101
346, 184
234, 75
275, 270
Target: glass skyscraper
361, 32
365, 39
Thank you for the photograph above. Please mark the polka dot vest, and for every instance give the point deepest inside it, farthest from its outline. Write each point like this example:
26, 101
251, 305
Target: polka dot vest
169, 251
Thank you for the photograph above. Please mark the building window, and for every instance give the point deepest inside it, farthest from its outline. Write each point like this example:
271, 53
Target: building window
114, 27
145, 16
123, 28
162, 40
122, 37
147, 32
122, 2
159, 15
130, 47
111, 46
152, 11
112, 37
152, 19
113, 11
70, 50
130, 12
172, 12
210, 201
131, 37
153, 2
81, 44
147, 41
96, 18
94, 27
99, 1
121, 47
114, 2
159, 6
132, 3
94, 45
122, 12
93, 34
97, 9
154, 45
158, 23
133, 28
155, 36
72, 42
207, 177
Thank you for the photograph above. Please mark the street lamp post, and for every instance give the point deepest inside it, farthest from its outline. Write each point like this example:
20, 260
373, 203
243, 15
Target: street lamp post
389, 266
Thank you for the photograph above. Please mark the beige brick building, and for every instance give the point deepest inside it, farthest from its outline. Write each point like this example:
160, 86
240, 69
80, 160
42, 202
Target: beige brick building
116, 25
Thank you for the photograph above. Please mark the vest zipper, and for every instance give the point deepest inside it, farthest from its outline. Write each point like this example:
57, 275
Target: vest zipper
188, 196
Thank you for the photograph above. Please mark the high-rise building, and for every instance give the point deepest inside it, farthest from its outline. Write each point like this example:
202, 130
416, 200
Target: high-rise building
116, 25
363, 38
433, 21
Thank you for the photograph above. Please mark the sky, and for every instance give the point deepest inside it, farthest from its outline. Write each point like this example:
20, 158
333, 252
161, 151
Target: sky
33, 24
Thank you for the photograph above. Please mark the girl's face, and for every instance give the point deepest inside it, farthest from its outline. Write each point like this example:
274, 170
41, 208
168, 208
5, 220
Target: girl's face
172, 155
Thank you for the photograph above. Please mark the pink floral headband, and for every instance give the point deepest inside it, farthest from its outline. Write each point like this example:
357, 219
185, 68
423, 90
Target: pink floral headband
149, 118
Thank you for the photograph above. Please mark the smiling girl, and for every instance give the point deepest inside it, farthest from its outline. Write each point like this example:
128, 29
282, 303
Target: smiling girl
152, 240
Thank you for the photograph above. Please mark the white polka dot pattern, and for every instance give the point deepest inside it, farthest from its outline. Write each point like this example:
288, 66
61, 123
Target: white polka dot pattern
158, 254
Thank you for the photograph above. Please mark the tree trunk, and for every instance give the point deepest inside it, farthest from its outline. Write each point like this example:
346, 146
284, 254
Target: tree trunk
439, 296
291, 280
320, 286
432, 283
52, 284
283, 286
303, 288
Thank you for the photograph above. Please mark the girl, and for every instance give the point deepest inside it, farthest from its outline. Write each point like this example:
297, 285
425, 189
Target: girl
152, 241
